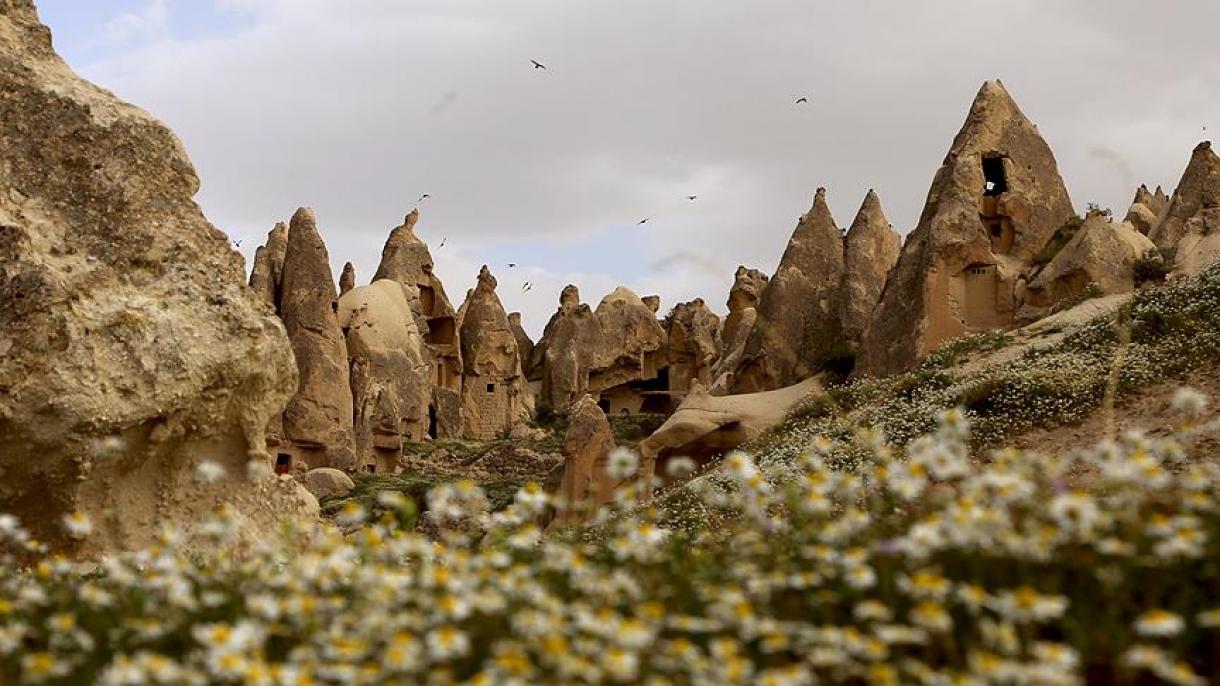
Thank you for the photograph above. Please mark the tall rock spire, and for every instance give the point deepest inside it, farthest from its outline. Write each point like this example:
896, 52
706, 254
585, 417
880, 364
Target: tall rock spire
994, 203
495, 395
347, 280
798, 317
870, 250
318, 419
1193, 214
267, 275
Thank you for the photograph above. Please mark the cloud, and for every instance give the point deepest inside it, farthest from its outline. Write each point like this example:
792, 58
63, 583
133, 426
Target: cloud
357, 108
151, 22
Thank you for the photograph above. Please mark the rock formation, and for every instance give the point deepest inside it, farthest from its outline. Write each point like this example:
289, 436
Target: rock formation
1101, 252
495, 395
748, 285
325, 482
870, 250
1141, 217
391, 374
705, 426
525, 345
1189, 232
318, 419
995, 202
653, 302
586, 485
692, 334
407, 260
268, 272
565, 353
131, 349
630, 354
347, 280
798, 327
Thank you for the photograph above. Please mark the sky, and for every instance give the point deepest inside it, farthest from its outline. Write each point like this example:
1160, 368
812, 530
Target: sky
359, 107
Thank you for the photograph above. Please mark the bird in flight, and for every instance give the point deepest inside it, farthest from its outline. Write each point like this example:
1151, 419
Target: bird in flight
527, 286
512, 265
237, 244
643, 221
802, 99
442, 243
538, 65
424, 197
691, 197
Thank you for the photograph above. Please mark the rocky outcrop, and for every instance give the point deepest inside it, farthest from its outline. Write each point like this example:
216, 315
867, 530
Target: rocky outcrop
347, 280
1141, 217
525, 345
706, 426
318, 419
495, 395
268, 271
631, 349
653, 302
131, 349
391, 374
995, 202
1100, 253
586, 484
1189, 232
798, 327
325, 483
870, 250
748, 285
566, 352
692, 346
407, 260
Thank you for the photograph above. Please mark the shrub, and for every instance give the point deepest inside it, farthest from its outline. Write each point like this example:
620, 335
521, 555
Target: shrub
1153, 267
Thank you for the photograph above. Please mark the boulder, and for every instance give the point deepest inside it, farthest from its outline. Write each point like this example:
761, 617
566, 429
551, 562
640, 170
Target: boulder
586, 484
495, 395
797, 328
347, 280
692, 335
870, 250
318, 419
1101, 253
1189, 231
391, 375
325, 483
748, 285
705, 426
995, 202
131, 349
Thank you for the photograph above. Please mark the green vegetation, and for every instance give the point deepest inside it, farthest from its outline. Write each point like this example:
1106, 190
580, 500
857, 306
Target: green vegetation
1060, 238
1089, 292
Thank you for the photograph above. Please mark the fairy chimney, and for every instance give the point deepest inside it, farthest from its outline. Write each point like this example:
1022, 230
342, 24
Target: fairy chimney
692, 334
798, 323
870, 250
995, 202
748, 285
494, 391
631, 352
347, 280
525, 345
267, 274
318, 419
1189, 232
586, 484
565, 353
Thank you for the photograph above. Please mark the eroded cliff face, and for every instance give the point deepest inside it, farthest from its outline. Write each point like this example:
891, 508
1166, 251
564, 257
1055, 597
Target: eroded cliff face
130, 348
995, 202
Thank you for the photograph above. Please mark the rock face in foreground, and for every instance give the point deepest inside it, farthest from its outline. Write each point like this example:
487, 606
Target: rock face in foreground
130, 348
993, 205
798, 316
494, 392
1190, 230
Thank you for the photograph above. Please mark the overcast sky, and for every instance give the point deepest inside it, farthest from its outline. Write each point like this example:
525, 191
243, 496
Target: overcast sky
358, 107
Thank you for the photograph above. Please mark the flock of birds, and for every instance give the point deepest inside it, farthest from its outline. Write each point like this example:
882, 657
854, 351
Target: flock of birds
529, 285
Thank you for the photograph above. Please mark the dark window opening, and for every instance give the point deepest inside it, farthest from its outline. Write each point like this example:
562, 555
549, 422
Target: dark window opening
432, 421
491, 388
996, 226
993, 176
334, 306
370, 468
283, 463
604, 403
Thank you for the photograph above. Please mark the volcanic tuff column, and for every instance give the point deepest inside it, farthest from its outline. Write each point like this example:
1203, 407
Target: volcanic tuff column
1190, 229
692, 346
525, 346
131, 349
748, 285
798, 317
267, 275
870, 250
995, 202
494, 392
318, 419
565, 353
347, 280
